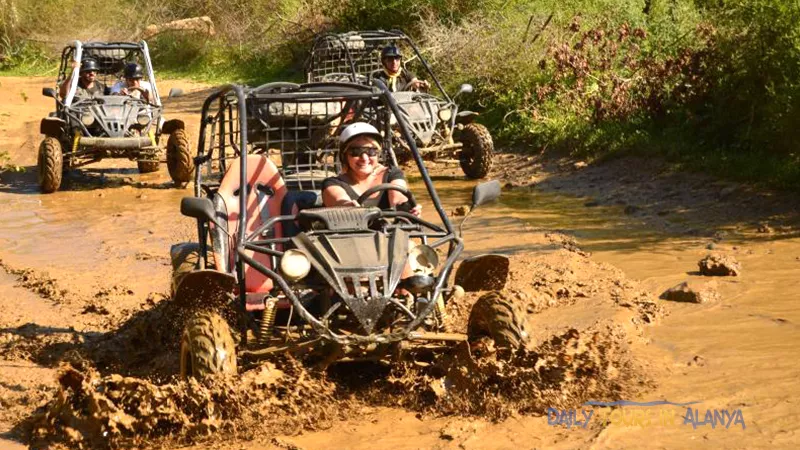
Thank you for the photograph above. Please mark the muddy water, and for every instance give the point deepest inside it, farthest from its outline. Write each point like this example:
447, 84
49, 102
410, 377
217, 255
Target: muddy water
107, 235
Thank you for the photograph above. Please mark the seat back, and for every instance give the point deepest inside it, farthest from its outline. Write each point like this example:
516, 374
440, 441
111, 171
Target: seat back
265, 192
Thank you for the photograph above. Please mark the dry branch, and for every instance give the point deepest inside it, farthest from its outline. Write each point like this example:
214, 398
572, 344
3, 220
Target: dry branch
202, 25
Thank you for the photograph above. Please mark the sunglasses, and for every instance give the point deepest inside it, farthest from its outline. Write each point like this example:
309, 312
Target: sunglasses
356, 152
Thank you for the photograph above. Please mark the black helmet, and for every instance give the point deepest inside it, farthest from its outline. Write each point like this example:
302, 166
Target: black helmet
88, 65
391, 51
133, 70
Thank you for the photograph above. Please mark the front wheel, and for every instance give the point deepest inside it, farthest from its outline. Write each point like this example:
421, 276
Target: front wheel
499, 318
207, 346
477, 151
50, 163
179, 157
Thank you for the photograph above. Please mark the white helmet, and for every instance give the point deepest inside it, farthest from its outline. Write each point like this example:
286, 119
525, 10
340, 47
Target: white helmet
358, 129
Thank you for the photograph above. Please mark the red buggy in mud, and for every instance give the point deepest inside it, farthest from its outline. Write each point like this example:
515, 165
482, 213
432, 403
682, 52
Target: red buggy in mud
293, 276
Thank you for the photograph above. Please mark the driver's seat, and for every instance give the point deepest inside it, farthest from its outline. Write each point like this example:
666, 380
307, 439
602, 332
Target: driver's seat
265, 191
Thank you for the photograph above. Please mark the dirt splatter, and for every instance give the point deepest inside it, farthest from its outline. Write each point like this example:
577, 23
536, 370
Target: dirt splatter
40, 283
90, 411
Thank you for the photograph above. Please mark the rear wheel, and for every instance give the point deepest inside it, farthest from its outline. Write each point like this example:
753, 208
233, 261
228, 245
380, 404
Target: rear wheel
50, 164
499, 318
477, 152
207, 346
179, 157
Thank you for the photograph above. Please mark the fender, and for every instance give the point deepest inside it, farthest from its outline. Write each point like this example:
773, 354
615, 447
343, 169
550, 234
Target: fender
172, 125
488, 272
204, 288
466, 116
52, 126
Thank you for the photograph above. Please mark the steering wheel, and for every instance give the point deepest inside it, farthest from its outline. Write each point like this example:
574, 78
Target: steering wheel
407, 87
407, 206
142, 92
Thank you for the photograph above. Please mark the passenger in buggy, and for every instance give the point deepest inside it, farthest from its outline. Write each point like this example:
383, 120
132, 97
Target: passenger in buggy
132, 85
359, 147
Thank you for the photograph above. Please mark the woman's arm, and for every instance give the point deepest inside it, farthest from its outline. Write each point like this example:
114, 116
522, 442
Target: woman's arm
396, 198
336, 196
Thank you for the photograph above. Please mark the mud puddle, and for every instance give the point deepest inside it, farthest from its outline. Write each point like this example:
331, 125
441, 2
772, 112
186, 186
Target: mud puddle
86, 274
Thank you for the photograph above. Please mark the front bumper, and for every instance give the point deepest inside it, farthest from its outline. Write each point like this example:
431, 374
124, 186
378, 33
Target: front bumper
106, 143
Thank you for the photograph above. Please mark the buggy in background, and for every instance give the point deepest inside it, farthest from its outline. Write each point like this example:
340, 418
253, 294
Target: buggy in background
439, 128
88, 128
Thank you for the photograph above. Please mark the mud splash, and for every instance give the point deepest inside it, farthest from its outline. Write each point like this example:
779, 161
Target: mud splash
90, 411
563, 367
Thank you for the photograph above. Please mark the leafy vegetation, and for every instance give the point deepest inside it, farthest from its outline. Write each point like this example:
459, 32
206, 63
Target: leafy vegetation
712, 84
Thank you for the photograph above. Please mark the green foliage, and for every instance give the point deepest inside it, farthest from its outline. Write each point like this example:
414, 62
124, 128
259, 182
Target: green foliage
713, 84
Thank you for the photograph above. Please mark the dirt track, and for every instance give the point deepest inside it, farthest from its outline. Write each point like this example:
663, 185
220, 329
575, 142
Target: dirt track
85, 278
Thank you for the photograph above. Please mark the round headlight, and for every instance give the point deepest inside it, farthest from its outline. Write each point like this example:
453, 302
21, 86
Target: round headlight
87, 119
445, 114
143, 119
295, 265
423, 260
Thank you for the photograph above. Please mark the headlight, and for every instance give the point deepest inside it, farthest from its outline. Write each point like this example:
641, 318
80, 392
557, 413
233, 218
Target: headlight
423, 260
295, 265
445, 114
87, 119
143, 119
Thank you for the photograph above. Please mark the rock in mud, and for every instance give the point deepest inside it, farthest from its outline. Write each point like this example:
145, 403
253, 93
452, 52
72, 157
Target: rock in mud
460, 211
764, 228
719, 265
691, 292
631, 210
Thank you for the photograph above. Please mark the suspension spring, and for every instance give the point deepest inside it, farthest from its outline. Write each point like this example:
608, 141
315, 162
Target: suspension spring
268, 320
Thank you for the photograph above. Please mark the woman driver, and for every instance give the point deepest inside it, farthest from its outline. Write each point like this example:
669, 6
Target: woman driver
359, 147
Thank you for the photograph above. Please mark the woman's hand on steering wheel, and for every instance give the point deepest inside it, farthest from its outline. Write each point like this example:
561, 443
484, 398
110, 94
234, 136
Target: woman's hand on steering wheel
410, 205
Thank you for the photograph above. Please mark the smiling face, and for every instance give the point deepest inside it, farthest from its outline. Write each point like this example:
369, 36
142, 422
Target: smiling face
357, 155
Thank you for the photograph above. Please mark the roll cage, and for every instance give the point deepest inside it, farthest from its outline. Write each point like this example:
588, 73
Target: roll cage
296, 127
355, 55
112, 57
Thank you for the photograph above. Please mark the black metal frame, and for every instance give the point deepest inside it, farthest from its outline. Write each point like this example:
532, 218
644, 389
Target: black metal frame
233, 108
380, 37
115, 147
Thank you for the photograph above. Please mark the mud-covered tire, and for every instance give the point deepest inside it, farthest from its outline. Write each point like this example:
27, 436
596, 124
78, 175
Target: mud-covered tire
207, 346
179, 157
147, 166
185, 259
478, 150
51, 165
499, 318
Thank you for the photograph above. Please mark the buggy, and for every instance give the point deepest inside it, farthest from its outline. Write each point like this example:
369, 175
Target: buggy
290, 275
83, 130
439, 129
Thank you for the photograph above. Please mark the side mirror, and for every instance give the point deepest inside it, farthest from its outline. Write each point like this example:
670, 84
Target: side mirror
175, 92
49, 92
465, 88
485, 193
197, 207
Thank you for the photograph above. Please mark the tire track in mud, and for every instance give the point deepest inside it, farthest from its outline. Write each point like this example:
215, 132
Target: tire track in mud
122, 392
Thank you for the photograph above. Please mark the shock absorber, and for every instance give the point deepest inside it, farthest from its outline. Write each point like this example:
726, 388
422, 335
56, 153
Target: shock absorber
441, 314
268, 320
